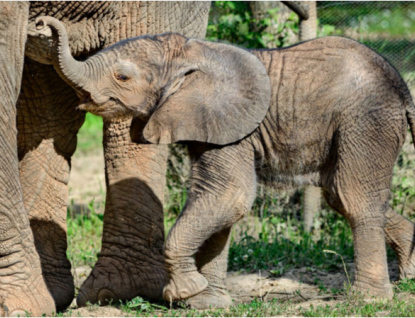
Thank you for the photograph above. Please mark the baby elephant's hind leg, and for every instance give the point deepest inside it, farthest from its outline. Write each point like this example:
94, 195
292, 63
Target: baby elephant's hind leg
400, 235
222, 190
366, 215
360, 188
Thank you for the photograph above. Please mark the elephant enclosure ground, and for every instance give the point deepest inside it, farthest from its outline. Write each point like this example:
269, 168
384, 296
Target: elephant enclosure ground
304, 291
275, 268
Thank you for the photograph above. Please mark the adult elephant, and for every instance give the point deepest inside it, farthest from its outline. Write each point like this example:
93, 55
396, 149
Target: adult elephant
131, 261
21, 283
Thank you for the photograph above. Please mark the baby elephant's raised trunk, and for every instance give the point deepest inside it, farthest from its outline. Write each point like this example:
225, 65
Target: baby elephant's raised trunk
75, 73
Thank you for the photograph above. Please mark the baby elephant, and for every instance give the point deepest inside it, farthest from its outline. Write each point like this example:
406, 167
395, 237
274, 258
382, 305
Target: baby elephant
329, 112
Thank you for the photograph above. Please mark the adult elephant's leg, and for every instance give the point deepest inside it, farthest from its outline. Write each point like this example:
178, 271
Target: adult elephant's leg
212, 263
22, 287
48, 122
131, 261
400, 235
222, 190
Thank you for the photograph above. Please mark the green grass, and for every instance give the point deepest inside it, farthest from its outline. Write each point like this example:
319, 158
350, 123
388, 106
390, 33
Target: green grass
256, 308
359, 308
84, 235
406, 285
90, 134
289, 247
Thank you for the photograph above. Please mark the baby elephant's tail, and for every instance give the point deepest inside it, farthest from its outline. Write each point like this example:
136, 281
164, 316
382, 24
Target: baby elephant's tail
410, 113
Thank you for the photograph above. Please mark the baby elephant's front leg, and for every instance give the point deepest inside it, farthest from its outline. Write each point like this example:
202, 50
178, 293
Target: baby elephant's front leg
222, 190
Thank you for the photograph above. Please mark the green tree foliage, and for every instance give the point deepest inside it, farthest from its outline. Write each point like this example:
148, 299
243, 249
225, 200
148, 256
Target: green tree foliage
233, 22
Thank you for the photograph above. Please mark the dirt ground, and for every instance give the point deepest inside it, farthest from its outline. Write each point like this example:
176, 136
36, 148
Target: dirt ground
87, 180
303, 287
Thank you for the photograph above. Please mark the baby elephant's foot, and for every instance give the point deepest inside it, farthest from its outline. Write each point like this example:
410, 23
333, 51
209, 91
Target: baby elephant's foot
371, 293
211, 298
407, 266
184, 285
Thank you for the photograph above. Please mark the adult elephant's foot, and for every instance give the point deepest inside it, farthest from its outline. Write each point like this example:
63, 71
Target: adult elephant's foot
50, 241
32, 298
184, 285
22, 288
115, 279
60, 284
211, 298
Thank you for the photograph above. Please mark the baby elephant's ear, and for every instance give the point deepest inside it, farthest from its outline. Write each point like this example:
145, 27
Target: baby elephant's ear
136, 131
220, 98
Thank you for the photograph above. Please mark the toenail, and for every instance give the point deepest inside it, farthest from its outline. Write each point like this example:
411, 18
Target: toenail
106, 296
184, 293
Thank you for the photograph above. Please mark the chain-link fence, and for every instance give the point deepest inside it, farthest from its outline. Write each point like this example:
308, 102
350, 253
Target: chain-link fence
386, 26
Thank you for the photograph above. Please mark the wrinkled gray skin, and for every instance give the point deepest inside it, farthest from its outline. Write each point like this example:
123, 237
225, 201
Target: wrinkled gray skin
307, 12
131, 261
21, 282
329, 112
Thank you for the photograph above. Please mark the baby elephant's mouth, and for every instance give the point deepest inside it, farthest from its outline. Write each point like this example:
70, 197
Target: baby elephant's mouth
87, 103
86, 99
111, 108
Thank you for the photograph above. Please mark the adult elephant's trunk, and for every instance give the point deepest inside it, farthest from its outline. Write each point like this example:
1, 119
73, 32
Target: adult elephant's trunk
75, 73
298, 7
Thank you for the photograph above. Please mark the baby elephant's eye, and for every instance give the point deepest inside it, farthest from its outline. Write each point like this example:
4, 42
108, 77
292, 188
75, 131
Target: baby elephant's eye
121, 77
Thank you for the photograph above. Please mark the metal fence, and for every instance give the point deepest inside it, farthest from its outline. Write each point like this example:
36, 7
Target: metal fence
386, 26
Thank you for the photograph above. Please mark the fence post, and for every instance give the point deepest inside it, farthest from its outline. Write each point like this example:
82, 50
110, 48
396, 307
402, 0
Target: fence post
312, 195
308, 27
